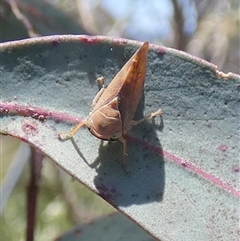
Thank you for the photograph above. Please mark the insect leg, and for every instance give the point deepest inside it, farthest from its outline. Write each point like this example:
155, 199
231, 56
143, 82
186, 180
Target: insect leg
124, 142
124, 162
100, 81
150, 116
100, 92
65, 136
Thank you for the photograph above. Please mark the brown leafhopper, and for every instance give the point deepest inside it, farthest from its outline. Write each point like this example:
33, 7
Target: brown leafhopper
114, 107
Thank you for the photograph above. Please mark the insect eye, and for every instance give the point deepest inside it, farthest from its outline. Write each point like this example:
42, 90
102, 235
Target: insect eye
116, 136
113, 138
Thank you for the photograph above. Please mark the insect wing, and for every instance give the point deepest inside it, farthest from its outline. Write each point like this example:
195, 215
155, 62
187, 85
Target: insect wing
127, 85
134, 73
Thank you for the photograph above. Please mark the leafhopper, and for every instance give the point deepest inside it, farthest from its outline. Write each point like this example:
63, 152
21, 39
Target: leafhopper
114, 107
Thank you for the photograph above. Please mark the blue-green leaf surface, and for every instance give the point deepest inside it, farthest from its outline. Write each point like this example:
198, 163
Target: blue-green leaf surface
114, 227
184, 168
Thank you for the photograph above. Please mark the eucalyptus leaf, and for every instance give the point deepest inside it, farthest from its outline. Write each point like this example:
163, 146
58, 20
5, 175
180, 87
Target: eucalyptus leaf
184, 167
